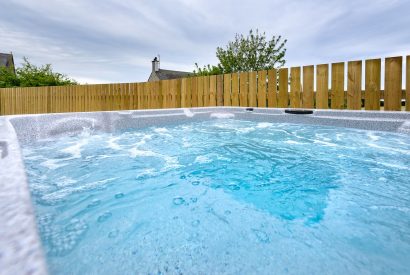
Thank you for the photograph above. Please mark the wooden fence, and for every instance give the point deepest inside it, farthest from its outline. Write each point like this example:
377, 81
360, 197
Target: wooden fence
272, 88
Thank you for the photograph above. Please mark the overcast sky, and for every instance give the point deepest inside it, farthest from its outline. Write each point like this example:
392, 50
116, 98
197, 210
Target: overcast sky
97, 41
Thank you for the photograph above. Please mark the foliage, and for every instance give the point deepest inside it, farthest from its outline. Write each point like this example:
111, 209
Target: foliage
250, 53
30, 75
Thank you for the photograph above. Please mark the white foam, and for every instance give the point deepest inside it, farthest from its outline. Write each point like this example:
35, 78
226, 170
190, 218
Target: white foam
325, 143
245, 130
52, 164
75, 150
393, 165
263, 125
293, 142
170, 161
188, 112
222, 115
372, 136
202, 159
135, 152
64, 192
163, 132
389, 149
111, 143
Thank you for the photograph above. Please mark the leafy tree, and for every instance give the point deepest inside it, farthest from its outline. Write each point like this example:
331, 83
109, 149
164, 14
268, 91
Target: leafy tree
251, 53
30, 75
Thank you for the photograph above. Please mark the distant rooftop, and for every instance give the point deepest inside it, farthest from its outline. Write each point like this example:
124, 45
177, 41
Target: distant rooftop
161, 74
6, 60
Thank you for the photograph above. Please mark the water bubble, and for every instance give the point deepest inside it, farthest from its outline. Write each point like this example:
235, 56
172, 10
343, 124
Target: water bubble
104, 217
195, 223
182, 177
119, 195
233, 187
261, 235
94, 203
194, 199
196, 182
228, 212
178, 200
113, 234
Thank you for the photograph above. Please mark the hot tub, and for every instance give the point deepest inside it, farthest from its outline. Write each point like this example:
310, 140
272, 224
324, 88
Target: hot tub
205, 190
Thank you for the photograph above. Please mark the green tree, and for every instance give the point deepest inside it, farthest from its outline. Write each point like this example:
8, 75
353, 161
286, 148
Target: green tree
251, 53
30, 75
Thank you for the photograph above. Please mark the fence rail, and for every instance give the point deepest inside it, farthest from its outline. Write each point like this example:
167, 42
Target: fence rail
282, 88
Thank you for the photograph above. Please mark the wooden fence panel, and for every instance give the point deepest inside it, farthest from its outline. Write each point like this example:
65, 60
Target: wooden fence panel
295, 87
212, 90
392, 84
243, 89
261, 89
186, 92
206, 91
272, 89
201, 80
308, 96
194, 92
354, 85
372, 84
219, 90
235, 89
322, 86
227, 90
283, 96
337, 94
252, 89
408, 83
178, 93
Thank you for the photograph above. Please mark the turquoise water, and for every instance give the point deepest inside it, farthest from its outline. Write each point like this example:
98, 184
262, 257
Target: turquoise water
224, 196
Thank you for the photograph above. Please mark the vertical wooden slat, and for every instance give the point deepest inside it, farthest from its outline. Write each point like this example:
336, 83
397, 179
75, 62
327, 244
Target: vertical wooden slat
261, 89
392, 84
212, 90
184, 93
194, 91
337, 94
272, 89
220, 90
243, 92
354, 85
164, 87
307, 93
189, 92
372, 84
283, 96
408, 83
178, 93
322, 86
200, 88
252, 97
235, 90
206, 91
227, 90
295, 87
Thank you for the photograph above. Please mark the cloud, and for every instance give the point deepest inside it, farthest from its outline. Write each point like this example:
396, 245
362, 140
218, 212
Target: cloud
114, 41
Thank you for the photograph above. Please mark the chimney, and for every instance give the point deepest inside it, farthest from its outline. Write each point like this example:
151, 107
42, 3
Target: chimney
155, 65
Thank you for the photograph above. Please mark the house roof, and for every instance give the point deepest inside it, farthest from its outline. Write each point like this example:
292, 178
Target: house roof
168, 74
6, 59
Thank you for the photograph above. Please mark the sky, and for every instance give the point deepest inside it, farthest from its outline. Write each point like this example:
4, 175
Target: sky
108, 41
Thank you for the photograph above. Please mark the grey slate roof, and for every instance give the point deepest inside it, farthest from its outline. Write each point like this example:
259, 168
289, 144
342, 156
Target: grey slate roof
6, 59
168, 74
